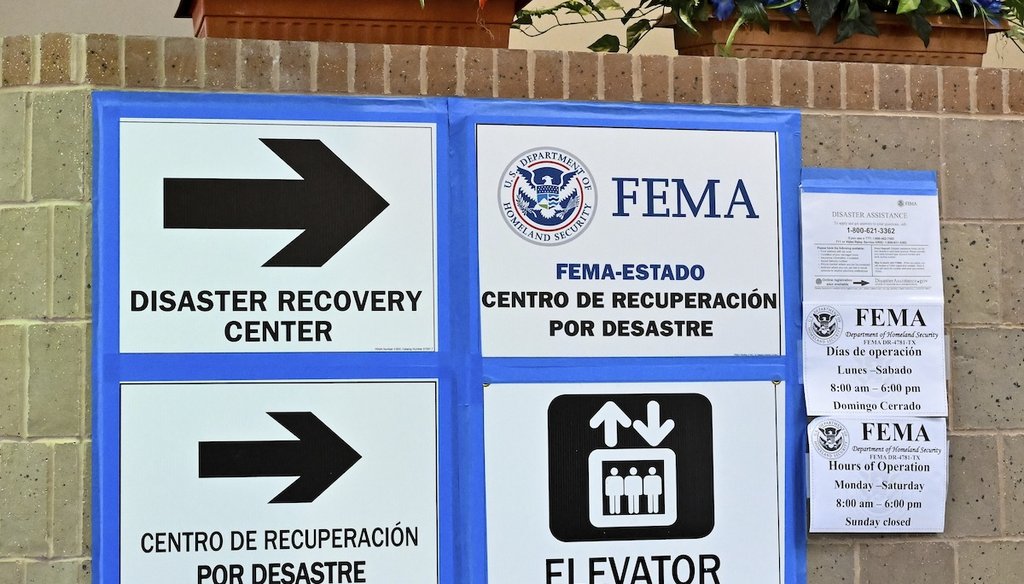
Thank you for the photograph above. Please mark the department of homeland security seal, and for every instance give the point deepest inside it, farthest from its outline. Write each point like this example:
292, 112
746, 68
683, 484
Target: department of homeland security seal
547, 196
831, 439
824, 325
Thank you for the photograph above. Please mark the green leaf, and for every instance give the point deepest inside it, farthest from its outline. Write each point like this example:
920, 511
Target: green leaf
857, 20
608, 5
523, 19
821, 12
609, 43
753, 11
635, 32
683, 20
906, 6
421, 4
921, 26
628, 15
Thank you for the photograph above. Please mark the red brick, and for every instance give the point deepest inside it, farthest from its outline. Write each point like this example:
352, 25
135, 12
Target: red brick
956, 89
723, 80
618, 77
892, 87
582, 75
548, 77
794, 80
479, 71
988, 90
860, 86
181, 62
442, 70
758, 84
55, 58
332, 68
688, 79
369, 69
654, 78
103, 59
924, 88
828, 89
142, 62
513, 74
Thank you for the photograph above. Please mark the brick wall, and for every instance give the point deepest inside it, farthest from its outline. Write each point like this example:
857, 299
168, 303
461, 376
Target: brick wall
966, 123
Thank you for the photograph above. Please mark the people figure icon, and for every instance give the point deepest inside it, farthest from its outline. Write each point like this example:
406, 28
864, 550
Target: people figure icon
633, 487
653, 488
613, 489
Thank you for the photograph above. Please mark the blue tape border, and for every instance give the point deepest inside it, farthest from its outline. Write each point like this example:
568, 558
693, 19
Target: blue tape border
870, 182
466, 114
111, 367
458, 363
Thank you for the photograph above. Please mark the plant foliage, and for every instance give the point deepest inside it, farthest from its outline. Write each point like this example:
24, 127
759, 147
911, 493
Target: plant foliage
851, 16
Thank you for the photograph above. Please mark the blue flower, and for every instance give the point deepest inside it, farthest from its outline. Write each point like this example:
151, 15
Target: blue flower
990, 9
723, 8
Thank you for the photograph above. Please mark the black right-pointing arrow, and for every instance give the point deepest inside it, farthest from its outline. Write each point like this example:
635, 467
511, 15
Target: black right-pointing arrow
331, 204
862, 282
318, 457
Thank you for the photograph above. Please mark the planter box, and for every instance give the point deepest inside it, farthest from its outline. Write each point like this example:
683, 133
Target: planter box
953, 41
440, 22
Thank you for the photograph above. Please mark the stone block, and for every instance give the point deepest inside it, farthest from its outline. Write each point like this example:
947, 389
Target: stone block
103, 59
258, 58
60, 145
758, 82
970, 272
404, 73
794, 83
181, 62
688, 79
972, 508
221, 59
654, 78
723, 80
142, 57
885, 563
980, 179
442, 71
55, 572
12, 572
13, 124
87, 238
87, 498
548, 77
24, 265
1013, 484
513, 76
1011, 245
24, 481
16, 64
830, 564
12, 379
69, 246
55, 59
56, 356
821, 134
988, 372
618, 77
892, 142
66, 531
991, 562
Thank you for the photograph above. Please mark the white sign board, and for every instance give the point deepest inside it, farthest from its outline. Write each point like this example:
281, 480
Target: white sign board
258, 236
638, 482
863, 359
209, 491
870, 247
589, 247
876, 475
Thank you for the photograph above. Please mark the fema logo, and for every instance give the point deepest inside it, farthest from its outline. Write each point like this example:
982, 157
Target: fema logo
831, 439
547, 196
824, 325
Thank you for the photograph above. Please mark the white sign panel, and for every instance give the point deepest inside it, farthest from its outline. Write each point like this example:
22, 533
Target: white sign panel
588, 249
277, 236
272, 482
870, 247
878, 474
639, 482
863, 359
